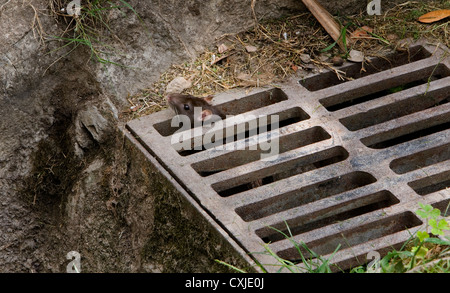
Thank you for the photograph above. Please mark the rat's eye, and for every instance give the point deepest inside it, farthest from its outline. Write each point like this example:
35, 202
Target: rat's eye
186, 107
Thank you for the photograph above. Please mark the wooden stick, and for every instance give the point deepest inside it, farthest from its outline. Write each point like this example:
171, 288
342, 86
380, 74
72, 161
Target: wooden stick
326, 20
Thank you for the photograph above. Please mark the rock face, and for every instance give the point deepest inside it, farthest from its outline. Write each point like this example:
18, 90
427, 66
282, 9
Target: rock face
67, 183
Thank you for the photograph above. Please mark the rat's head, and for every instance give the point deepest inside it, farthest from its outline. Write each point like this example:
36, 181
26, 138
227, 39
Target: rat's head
186, 104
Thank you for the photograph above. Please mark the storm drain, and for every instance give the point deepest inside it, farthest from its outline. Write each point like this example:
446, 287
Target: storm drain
353, 157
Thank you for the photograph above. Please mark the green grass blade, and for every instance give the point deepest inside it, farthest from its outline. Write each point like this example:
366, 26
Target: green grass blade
230, 266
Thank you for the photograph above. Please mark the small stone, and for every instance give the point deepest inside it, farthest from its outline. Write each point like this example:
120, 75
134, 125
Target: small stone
251, 48
356, 56
305, 58
337, 61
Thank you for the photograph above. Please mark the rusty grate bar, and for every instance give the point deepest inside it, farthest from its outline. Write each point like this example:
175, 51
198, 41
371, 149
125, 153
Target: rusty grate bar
354, 159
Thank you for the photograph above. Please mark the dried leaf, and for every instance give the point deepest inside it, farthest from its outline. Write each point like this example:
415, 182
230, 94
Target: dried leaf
367, 29
305, 58
434, 16
362, 32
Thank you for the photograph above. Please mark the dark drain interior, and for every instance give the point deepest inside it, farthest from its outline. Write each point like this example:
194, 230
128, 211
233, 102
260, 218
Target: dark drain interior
245, 130
421, 159
355, 71
348, 209
355, 235
431, 184
370, 92
242, 157
408, 132
280, 171
305, 195
403, 107
443, 206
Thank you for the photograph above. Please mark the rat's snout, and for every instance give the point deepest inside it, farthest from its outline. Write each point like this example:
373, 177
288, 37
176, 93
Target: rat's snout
170, 100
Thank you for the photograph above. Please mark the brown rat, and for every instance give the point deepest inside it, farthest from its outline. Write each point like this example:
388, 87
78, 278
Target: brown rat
186, 104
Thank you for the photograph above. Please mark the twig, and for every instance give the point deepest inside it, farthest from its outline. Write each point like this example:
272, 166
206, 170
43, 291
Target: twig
39, 25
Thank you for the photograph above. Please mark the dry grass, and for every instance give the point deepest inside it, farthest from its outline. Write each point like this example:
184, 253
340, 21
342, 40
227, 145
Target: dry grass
401, 22
281, 48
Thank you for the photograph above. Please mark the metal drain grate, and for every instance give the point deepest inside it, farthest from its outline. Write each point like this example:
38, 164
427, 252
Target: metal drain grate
355, 158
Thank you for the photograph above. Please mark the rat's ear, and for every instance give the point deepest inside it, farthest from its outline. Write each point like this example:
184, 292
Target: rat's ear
208, 98
206, 115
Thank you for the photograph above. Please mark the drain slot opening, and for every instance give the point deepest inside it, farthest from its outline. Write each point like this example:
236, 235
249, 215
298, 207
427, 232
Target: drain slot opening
384, 92
431, 184
355, 236
443, 206
234, 107
304, 195
398, 109
408, 132
357, 207
388, 86
421, 159
242, 157
355, 71
280, 171
255, 127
